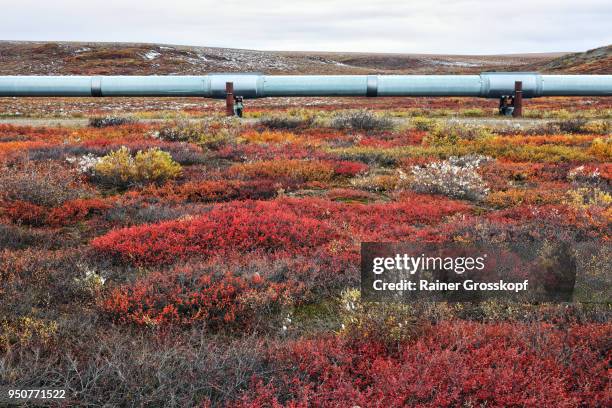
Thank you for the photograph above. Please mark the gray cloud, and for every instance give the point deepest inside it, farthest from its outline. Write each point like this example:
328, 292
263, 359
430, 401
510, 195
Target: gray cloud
444, 26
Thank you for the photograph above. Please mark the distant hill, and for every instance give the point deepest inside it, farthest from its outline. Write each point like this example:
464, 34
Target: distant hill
70, 58
596, 61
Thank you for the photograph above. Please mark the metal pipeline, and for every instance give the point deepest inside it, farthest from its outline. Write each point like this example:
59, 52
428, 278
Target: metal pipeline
485, 85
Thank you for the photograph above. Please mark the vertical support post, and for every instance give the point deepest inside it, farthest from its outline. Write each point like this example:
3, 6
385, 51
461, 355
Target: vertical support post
518, 99
229, 99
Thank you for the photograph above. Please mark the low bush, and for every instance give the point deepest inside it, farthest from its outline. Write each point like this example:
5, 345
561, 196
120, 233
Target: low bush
361, 120
515, 196
33, 278
16, 237
101, 366
23, 212
346, 168
108, 121
211, 134
473, 113
350, 195
453, 133
455, 177
120, 169
590, 176
192, 294
599, 127
378, 182
77, 210
45, 184
136, 213
602, 149
374, 222
296, 170
585, 197
495, 365
269, 137
24, 331
215, 190
575, 125
287, 122
424, 124
242, 228
374, 322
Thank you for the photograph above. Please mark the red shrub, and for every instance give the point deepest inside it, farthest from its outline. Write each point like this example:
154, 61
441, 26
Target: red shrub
348, 168
77, 210
25, 213
189, 294
291, 226
68, 213
379, 221
457, 364
242, 227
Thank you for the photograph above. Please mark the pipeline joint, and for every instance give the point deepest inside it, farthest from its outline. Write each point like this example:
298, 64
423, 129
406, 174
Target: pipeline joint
372, 86
96, 86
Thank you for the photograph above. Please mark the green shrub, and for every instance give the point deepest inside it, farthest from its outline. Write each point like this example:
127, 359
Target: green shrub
425, 124
453, 133
473, 113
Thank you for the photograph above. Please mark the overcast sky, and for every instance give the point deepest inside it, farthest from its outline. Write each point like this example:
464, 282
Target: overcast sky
412, 26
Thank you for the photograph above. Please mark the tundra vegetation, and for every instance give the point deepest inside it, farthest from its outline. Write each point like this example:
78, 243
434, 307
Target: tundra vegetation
216, 262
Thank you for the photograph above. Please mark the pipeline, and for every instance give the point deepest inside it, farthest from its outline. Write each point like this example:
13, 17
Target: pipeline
485, 85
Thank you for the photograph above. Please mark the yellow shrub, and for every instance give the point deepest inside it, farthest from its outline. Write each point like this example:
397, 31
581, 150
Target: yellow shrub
451, 135
155, 165
120, 169
377, 182
25, 329
514, 197
473, 112
269, 137
602, 149
117, 165
388, 322
585, 197
600, 127
211, 133
421, 123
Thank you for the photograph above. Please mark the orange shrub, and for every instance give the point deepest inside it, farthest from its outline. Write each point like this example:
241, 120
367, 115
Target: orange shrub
269, 137
516, 196
298, 170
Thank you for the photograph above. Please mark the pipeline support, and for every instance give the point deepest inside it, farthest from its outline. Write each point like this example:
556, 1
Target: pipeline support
229, 99
518, 99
